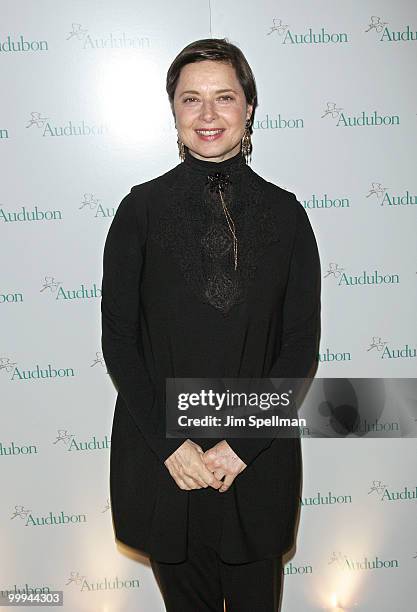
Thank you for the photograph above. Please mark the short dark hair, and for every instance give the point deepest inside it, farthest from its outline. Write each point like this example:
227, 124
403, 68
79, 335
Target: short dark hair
218, 50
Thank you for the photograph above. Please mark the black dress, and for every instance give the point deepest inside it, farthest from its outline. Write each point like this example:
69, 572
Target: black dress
173, 305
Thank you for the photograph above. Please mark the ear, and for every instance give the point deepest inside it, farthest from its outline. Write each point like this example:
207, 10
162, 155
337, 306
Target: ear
249, 111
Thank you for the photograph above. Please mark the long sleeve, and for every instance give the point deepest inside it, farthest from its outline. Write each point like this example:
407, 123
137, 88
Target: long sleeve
301, 313
120, 304
301, 321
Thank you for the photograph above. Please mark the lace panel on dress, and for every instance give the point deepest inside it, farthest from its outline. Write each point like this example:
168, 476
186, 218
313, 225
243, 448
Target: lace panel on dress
194, 230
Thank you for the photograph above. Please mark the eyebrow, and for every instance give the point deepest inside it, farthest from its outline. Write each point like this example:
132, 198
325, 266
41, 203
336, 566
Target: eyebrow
218, 91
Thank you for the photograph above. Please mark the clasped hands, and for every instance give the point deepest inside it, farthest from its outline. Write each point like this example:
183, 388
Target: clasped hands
192, 468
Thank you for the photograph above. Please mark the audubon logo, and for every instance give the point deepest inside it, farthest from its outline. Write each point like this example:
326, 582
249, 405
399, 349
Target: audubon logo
4, 133
26, 589
343, 562
48, 128
73, 444
291, 569
11, 298
329, 356
364, 278
21, 44
63, 436
377, 190
109, 41
101, 584
37, 373
13, 448
363, 119
389, 352
380, 490
376, 426
83, 292
307, 37
277, 123
29, 214
91, 203
381, 195
385, 34
325, 201
16, 373
326, 500
33, 520
6, 365
99, 360
377, 343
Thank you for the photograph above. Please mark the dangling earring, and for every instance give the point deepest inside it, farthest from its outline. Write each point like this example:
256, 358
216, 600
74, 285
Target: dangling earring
181, 148
247, 142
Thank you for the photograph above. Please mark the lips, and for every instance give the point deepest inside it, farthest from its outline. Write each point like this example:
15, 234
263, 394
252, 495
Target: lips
205, 132
208, 135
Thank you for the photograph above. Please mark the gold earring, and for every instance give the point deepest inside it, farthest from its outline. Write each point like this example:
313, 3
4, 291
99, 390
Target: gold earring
247, 142
181, 148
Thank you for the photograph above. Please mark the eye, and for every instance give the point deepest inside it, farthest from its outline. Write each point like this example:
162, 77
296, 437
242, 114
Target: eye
189, 100
226, 98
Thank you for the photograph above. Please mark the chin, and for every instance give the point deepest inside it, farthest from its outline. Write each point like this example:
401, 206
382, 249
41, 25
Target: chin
211, 150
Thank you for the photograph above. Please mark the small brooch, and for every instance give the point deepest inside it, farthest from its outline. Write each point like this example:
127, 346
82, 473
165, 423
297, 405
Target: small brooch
217, 181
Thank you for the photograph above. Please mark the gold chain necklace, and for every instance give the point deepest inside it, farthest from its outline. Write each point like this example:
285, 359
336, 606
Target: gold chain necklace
217, 183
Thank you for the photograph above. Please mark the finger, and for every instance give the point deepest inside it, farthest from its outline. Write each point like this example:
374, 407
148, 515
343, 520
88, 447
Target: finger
190, 482
206, 475
181, 484
213, 481
183, 476
226, 483
200, 481
194, 473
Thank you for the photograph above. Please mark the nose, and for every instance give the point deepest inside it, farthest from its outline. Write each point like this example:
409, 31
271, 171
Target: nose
208, 112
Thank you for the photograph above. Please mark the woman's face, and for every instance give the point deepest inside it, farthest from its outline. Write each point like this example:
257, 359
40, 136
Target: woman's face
210, 110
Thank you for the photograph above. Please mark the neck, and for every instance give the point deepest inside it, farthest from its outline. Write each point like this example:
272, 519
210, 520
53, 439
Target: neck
231, 164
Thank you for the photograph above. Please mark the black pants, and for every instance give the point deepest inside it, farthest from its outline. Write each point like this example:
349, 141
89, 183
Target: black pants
204, 581
201, 583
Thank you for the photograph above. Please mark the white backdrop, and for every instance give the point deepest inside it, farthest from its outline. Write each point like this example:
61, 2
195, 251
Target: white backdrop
83, 117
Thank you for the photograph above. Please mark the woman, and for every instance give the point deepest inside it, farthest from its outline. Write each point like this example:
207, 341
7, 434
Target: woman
209, 271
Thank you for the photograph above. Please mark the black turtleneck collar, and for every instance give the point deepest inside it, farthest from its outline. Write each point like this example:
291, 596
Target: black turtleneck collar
202, 166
